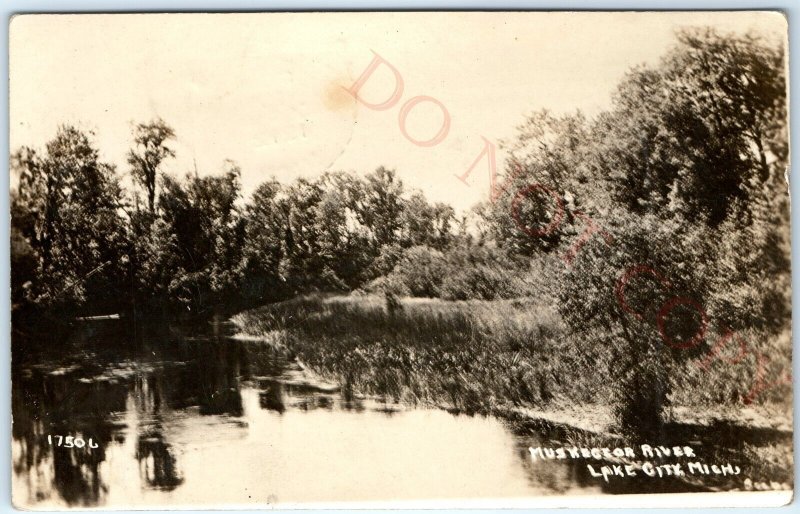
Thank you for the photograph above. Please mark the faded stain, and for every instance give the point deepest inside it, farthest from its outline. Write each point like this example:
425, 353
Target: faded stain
335, 96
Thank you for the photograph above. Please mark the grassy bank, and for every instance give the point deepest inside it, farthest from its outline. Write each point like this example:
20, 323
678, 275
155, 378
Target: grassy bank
509, 357
470, 355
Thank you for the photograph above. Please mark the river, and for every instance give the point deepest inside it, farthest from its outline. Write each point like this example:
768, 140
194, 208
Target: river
199, 418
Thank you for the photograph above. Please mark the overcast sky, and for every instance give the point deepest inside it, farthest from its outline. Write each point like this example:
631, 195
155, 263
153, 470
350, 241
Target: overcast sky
267, 90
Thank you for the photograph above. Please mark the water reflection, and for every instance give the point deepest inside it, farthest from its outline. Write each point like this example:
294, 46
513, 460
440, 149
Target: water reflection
207, 420
271, 398
157, 461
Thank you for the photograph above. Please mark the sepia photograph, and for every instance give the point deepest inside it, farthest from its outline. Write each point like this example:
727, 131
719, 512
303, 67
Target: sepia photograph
400, 259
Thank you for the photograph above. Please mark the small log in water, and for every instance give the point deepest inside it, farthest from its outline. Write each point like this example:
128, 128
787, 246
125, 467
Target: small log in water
95, 318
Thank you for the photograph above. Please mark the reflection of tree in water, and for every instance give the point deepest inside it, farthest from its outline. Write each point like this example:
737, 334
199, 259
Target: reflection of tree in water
271, 397
157, 464
275, 395
556, 476
209, 379
97, 397
77, 475
562, 475
219, 375
58, 403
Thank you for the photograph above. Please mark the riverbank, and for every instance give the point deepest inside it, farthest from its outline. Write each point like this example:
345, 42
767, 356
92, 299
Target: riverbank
472, 355
511, 358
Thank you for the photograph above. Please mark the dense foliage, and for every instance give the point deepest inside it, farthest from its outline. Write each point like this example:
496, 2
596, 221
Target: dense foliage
83, 244
683, 179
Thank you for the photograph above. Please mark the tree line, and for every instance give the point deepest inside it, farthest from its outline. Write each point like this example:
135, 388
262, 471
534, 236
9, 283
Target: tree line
685, 170
82, 243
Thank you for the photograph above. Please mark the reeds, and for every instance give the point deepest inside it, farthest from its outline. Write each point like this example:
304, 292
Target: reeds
470, 355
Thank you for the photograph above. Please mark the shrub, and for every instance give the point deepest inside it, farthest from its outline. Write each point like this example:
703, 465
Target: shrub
480, 282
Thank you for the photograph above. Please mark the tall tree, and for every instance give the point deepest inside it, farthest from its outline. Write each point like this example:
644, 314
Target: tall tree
206, 233
383, 205
427, 224
263, 248
149, 152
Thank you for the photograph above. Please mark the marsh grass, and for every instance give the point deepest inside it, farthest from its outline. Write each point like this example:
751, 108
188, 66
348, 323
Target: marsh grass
467, 355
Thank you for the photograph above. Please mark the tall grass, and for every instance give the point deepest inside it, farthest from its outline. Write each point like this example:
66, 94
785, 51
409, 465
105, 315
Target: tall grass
470, 355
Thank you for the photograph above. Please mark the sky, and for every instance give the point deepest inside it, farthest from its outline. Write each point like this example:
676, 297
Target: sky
270, 90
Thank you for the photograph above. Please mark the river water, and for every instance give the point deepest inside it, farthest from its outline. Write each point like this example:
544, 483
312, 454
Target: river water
203, 419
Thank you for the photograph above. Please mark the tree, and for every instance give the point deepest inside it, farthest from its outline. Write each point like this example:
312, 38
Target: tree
149, 152
344, 240
264, 247
547, 180
204, 226
382, 206
426, 224
67, 208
